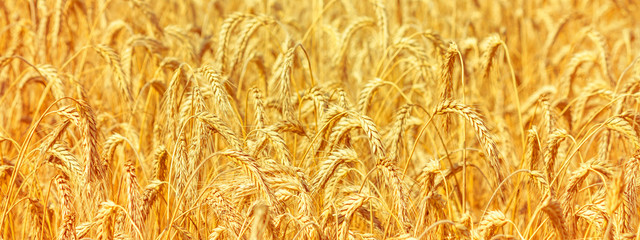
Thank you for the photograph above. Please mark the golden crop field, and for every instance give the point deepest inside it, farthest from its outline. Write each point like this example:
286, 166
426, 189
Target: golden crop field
319, 119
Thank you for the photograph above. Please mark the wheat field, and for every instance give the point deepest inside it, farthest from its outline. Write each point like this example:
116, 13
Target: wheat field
319, 119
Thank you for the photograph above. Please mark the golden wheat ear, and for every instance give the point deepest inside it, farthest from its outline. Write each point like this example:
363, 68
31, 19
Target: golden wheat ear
68, 213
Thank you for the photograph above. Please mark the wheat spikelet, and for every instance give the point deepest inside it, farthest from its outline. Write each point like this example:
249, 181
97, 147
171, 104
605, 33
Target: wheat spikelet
181, 164
603, 146
397, 131
594, 216
340, 133
482, 133
251, 168
192, 104
71, 114
194, 152
258, 105
341, 57
552, 208
371, 130
394, 176
428, 175
160, 163
570, 74
289, 177
41, 32
170, 100
366, 94
149, 196
436, 39
549, 115
57, 133
290, 126
491, 45
605, 60
594, 88
15, 44
279, 145
348, 208
575, 180
446, 71
94, 169
36, 212
284, 85
532, 154
287, 189
319, 99
490, 223
57, 19
551, 152
221, 97
152, 44
109, 147
540, 180
217, 125
113, 59
629, 196
553, 35
343, 102
330, 166
228, 25
382, 22
146, 9
249, 29
83, 229
64, 160
224, 210
105, 220
261, 220
134, 203
622, 126
67, 228
217, 233
50, 73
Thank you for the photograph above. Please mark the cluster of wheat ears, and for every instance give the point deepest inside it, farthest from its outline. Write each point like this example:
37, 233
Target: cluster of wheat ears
319, 119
